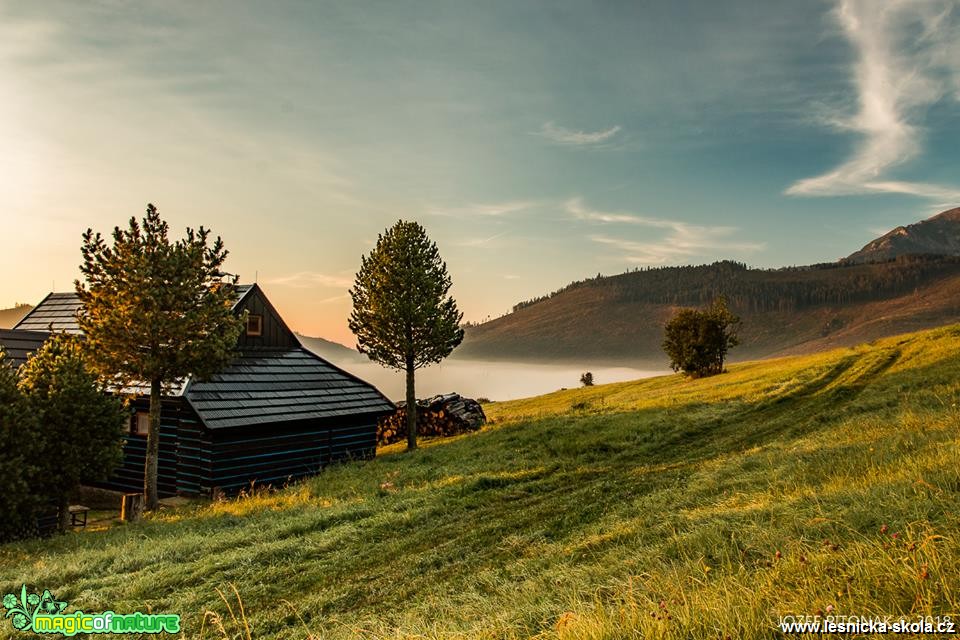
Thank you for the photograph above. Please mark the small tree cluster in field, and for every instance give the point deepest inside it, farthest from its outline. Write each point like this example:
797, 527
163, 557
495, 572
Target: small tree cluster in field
697, 341
586, 379
58, 427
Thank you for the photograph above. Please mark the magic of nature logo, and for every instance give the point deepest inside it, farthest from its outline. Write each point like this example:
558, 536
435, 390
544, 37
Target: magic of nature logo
43, 613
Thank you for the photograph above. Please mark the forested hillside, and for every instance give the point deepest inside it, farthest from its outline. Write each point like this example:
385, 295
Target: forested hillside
786, 310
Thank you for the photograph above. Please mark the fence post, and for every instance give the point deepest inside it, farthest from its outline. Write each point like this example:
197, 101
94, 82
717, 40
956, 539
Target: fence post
132, 507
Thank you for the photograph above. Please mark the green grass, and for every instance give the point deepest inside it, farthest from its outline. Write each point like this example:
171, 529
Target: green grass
642, 509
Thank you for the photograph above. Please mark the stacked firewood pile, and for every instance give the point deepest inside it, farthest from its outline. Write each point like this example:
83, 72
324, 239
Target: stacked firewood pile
445, 415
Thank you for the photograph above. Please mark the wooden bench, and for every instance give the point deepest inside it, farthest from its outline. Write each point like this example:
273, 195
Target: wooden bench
78, 515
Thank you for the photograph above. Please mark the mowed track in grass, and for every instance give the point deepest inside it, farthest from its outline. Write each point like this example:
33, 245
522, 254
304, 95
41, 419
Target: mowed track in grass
655, 507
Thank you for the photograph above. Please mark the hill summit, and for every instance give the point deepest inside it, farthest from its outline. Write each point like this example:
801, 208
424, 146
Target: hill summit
938, 235
13, 315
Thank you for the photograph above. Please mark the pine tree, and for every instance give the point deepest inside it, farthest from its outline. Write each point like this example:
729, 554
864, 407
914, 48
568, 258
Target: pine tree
155, 312
402, 315
81, 425
18, 458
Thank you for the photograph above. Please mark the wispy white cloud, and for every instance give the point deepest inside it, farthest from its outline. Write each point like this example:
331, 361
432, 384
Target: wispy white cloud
494, 210
562, 135
306, 279
681, 240
577, 209
908, 58
479, 242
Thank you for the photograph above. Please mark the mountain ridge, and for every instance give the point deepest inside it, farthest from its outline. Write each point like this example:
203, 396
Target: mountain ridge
885, 288
937, 235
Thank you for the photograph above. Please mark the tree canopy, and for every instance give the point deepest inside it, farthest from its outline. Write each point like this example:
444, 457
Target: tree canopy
18, 458
80, 432
402, 314
156, 311
697, 341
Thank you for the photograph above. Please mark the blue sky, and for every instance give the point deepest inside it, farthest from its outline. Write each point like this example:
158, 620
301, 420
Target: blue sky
538, 142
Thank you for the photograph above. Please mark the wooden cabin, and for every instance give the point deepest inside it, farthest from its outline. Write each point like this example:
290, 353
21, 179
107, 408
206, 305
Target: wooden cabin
276, 412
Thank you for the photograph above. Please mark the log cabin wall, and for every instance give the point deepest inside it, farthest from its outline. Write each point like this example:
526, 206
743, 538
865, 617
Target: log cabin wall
194, 454
128, 476
277, 453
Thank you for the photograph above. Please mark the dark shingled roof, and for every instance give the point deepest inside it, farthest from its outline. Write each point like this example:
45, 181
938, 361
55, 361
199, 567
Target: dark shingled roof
58, 312
265, 386
260, 386
20, 344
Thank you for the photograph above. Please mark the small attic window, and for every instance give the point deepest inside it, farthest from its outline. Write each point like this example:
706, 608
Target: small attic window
254, 325
141, 424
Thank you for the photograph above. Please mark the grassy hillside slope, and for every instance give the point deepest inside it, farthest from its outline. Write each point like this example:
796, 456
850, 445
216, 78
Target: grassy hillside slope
656, 507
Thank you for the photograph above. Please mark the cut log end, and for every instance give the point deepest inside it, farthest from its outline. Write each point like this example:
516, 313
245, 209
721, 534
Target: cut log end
439, 416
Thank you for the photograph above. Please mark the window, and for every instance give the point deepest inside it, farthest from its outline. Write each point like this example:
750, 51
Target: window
254, 325
141, 424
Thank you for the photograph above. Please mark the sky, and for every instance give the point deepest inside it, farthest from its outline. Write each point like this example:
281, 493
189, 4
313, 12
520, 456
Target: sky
538, 142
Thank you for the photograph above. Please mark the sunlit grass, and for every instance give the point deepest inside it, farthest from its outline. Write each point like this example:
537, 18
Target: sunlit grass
654, 508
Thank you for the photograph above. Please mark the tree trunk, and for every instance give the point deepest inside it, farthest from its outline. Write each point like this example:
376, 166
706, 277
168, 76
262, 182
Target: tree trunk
63, 507
153, 449
411, 408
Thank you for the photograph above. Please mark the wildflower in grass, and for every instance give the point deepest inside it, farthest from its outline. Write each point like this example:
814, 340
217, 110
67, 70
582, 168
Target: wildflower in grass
9, 601
883, 528
829, 608
566, 619
778, 555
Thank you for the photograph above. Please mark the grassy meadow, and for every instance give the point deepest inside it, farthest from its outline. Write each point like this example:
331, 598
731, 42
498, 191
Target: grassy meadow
662, 508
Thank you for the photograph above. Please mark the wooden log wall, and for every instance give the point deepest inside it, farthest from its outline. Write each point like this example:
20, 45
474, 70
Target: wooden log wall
287, 452
128, 476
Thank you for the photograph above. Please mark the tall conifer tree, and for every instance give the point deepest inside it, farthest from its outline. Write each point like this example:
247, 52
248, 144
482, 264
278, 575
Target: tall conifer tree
155, 312
402, 314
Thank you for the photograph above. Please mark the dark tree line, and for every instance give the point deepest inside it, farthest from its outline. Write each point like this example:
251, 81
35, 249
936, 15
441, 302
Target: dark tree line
757, 290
